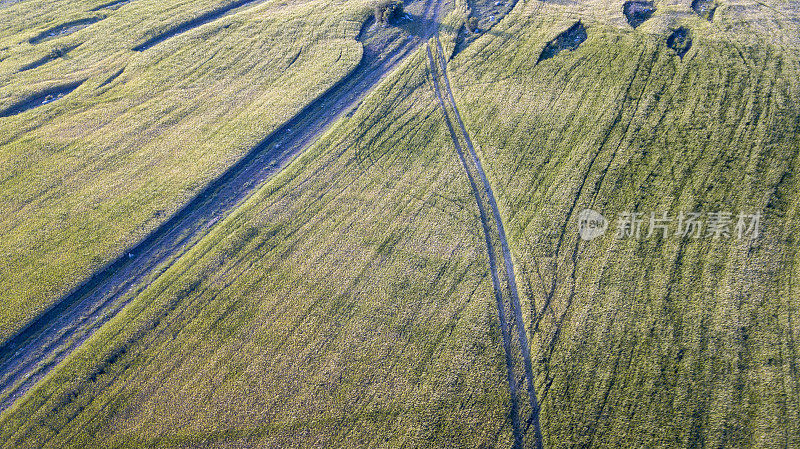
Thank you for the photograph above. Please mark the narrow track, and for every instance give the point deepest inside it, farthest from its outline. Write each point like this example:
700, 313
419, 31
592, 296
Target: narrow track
506, 294
34, 351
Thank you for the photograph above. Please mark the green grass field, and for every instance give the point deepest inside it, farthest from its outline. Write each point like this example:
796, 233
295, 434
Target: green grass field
348, 302
97, 170
672, 342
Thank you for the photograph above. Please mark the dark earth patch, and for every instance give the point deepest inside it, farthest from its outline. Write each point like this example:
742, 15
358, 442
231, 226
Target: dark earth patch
705, 8
484, 14
64, 29
568, 40
637, 11
40, 99
680, 40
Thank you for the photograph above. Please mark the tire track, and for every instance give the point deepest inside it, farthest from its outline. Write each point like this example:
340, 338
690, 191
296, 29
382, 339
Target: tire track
509, 263
493, 269
506, 293
34, 351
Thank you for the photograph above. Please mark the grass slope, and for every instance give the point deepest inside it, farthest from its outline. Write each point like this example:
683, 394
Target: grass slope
674, 342
97, 170
346, 304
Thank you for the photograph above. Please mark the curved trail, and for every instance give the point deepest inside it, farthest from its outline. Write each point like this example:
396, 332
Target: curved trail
506, 294
34, 351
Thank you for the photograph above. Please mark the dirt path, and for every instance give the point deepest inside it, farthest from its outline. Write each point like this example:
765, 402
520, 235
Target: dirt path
33, 352
506, 294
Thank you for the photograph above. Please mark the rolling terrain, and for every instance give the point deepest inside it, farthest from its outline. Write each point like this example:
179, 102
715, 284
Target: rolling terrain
139, 134
398, 261
29, 355
384, 371
658, 341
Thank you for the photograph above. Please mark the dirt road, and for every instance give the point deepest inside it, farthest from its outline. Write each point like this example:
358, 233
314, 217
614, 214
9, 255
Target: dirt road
503, 278
33, 352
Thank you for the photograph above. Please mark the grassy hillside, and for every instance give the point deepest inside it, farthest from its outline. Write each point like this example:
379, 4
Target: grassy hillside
667, 342
348, 303
90, 174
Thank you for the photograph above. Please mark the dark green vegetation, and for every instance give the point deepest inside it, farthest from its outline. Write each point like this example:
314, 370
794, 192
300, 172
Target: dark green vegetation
568, 40
637, 11
680, 40
388, 11
705, 8
473, 24
349, 302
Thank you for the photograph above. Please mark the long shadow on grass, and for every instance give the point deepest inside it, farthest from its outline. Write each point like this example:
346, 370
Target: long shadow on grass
57, 53
64, 29
28, 356
116, 4
41, 99
196, 22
